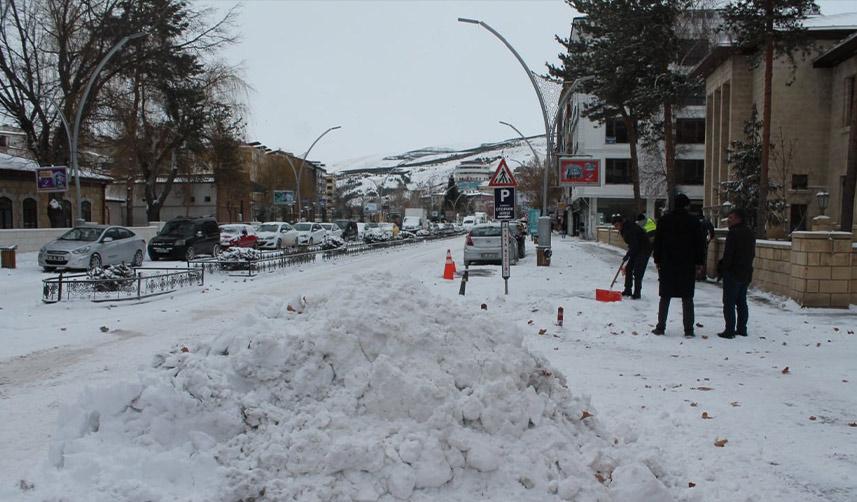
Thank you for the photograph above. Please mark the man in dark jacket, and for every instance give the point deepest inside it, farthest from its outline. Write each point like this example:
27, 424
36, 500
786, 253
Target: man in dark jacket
637, 257
679, 253
736, 269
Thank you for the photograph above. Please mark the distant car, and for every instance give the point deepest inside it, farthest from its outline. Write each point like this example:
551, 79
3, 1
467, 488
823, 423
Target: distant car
237, 235
185, 238
276, 235
350, 230
468, 222
333, 229
309, 233
372, 232
92, 246
483, 245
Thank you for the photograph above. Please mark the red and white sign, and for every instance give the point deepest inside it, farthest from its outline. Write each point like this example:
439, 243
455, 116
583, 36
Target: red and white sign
579, 172
503, 177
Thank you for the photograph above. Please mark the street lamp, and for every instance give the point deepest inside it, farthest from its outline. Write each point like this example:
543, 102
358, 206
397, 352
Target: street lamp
299, 171
823, 201
78, 116
523, 138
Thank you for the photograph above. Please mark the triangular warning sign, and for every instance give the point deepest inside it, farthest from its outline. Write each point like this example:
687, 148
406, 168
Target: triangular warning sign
503, 176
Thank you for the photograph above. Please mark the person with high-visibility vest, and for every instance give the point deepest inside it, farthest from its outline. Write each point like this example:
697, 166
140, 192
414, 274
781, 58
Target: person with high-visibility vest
648, 225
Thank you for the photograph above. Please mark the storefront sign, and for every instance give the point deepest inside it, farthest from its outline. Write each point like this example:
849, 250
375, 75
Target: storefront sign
51, 179
579, 172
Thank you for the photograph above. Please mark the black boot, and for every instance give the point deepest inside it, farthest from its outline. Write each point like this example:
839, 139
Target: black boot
726, 334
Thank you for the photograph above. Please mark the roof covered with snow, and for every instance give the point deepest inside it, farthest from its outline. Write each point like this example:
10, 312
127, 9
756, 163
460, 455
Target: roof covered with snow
13, 163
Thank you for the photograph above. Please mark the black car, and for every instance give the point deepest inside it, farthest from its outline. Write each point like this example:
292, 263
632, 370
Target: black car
184, 238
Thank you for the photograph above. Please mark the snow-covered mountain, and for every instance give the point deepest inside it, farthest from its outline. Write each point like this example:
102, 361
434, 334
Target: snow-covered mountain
425, 168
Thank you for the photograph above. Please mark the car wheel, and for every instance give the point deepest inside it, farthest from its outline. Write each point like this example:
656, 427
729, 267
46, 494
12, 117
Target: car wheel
94, 261
216, 250
310, 241
138, 258
49, 269
190, 254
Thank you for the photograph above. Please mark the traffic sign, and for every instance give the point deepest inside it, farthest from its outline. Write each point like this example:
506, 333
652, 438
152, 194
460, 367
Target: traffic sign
503, 177
504, 204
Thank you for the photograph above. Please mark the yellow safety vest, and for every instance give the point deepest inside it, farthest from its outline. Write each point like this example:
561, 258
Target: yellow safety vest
650, 225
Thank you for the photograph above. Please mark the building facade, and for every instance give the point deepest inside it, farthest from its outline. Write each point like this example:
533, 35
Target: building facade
810, 114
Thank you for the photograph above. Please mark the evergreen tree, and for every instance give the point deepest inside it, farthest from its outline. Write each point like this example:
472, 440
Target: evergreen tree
772, 26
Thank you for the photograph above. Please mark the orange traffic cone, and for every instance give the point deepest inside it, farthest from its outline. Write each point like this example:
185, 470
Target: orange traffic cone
449, 268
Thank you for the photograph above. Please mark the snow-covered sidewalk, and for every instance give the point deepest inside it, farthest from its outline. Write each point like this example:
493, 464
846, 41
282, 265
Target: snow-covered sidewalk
659, 404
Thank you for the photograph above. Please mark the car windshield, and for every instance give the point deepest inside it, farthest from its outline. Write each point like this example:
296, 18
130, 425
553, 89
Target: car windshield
303, 227
491, 231
82, 234
371, 225
269, 228
231, 229
178, 228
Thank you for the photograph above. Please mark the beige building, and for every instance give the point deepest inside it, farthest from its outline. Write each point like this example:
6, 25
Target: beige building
809, 117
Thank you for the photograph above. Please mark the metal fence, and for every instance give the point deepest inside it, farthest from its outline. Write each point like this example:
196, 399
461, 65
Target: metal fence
266, 261
147, 282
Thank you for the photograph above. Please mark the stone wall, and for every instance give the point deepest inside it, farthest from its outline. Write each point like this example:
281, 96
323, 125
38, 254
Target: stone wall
32, 239
816, 269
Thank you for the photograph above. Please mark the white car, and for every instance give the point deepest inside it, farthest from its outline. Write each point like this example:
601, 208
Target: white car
468, 223
93, 246
309, 233
276, 235
332, 229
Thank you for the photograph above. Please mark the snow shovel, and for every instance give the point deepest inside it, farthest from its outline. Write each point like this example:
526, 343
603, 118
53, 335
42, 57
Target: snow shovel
606, 295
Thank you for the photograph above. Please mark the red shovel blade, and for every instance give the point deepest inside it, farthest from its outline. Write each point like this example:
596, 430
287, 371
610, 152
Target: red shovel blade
605, 295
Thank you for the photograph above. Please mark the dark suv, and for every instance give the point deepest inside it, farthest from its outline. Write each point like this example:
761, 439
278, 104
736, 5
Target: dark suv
184, 238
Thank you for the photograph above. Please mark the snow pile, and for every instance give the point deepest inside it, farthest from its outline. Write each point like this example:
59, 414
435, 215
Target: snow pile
240, 254
332, 242
372, 395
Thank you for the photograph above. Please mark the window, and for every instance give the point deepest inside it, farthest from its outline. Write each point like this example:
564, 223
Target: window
615, 131
124, 233
30, 213
690, 131
800, 181
690, 171
113, 233
207, 198
797, 217
5, 212
4, 141
618, 171
849, 100
86, 209
192, 198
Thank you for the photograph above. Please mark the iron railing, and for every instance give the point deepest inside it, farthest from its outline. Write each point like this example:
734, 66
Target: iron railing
145, 283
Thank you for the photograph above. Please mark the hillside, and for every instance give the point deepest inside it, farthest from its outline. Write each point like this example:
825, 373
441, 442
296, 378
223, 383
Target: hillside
425, 168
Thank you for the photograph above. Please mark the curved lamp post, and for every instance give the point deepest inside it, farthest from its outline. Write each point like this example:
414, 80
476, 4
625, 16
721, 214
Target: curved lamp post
78, 116
299, 171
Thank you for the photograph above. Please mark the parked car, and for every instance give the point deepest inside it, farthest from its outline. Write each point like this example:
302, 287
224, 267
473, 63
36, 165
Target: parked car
276, 235
350, 230
468, 222
372, 232
185, 238
238, 235
333, 229
483, 245
309, 233
92, 246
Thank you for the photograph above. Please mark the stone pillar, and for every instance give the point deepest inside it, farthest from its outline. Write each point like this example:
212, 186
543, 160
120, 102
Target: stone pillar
821, 269
822, 223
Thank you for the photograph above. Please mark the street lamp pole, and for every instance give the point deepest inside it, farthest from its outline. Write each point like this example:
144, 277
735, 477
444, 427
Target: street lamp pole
299, 171
525, 139
78, 116
541, 104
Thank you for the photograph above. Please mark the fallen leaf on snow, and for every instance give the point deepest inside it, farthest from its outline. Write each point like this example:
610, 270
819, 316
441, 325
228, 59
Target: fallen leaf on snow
699, 325
720, 442
542, 331
706, 416
585, 414
691, 484
813, 418
104, 329
485, 307
705, 337
818, 344
600, 477
702, 388
785, 370
530, 321
694, 405
852, 424
735, 403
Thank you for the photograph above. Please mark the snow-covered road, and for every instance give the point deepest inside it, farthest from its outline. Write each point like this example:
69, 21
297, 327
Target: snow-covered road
790, 433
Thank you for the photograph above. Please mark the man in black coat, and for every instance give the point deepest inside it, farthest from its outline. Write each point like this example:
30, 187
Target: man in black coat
736, 269
679, 253
637, 257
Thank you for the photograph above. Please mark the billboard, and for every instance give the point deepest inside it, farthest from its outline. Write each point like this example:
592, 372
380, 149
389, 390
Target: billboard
51, 179
581, 171
284, 197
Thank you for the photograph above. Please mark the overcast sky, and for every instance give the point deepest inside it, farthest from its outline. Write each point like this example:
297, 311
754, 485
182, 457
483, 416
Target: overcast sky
396, 75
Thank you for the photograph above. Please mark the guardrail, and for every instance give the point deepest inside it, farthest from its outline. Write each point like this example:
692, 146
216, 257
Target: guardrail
146, 283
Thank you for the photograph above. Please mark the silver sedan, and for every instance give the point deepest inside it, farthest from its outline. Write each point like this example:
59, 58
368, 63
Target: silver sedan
483, 245
91, 246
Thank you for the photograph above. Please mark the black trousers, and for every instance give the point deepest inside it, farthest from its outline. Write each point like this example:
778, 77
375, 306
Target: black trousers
686, 313
634, 271
735, 298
